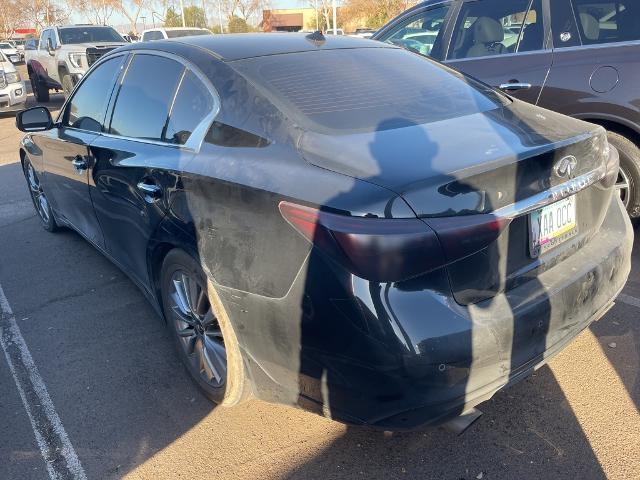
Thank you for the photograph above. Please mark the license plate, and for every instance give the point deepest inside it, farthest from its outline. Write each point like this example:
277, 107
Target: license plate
552, 225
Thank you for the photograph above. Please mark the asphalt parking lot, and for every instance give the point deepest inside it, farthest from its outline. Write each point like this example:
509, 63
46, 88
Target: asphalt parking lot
78, 334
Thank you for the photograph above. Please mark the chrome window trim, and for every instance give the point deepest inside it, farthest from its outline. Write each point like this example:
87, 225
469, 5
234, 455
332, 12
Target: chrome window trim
194, 144
504, 55
626, 43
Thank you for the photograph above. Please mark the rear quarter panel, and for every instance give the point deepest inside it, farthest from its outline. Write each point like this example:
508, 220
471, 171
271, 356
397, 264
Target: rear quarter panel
596, 82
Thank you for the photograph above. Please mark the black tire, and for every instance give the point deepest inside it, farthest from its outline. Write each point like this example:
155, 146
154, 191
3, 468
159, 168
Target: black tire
67, 85
628, 183
39, 198
200, 329
40, 91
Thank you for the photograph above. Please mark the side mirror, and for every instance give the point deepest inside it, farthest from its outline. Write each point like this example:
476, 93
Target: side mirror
36, 119
50, 48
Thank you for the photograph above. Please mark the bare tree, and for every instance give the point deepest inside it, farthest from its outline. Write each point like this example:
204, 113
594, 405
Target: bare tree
131, 9
375, 12
97, 11
247, 10
9, 17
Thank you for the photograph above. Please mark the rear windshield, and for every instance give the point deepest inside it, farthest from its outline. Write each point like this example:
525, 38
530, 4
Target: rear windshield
186, 33
368, 89
89, 35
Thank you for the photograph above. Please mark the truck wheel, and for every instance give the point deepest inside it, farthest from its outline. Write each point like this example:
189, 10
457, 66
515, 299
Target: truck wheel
39, 91
67, 85
628, 183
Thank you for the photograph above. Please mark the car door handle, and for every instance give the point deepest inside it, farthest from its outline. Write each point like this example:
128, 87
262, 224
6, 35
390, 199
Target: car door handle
151, 191
79, 164
514, 86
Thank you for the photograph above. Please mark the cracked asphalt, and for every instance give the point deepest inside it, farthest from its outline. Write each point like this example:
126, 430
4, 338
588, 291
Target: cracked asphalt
130, 411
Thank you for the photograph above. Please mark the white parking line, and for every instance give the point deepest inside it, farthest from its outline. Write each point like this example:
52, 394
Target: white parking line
59, 456
629, 300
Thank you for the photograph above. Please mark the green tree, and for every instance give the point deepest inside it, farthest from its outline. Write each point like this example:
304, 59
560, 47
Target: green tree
238, 25
193, 17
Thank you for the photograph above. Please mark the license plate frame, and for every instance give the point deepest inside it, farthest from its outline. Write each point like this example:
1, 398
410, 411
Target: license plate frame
552, 225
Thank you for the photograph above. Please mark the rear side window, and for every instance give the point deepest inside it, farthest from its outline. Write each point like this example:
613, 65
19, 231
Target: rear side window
495, 27
154, 35
87, 107
608, 22
193, 103
368, 89
185, 33
145, 97
422, 33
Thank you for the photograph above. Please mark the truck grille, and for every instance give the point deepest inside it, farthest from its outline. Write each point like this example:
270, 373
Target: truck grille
3, 80
94, 53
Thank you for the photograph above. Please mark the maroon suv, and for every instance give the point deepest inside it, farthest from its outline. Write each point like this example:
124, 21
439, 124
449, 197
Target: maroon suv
577, 57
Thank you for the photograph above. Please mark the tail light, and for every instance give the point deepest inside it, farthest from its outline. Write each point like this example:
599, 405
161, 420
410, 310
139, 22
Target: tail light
613, 166
465, 235
381, 250
390, 250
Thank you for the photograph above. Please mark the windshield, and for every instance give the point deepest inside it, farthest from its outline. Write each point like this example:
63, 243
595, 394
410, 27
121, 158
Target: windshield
186, 33
6, 46
89, 34
355, 90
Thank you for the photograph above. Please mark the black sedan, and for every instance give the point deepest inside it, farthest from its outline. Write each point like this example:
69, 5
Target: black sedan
334, 223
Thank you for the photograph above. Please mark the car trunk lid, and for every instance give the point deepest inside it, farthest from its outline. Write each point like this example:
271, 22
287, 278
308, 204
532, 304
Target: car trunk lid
463, 174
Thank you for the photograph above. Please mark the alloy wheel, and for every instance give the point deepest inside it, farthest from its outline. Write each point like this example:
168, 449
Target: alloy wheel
198, 328
37, 194
623, 186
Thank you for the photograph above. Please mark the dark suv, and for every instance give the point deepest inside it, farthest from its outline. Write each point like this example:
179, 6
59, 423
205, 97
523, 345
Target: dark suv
577, 57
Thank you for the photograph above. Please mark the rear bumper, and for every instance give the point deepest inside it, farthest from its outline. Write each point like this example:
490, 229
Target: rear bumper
402, 355
514, 333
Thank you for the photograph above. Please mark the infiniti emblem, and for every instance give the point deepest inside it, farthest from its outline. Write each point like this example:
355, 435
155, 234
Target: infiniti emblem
566, 167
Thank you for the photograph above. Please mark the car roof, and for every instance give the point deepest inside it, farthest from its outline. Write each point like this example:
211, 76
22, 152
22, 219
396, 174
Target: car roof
239, 46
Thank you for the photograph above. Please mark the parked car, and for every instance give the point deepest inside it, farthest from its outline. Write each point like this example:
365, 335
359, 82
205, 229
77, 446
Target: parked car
572, 56
10, 52
338, 31
172, 32
64, 54
12, 93
352, 254
364, 32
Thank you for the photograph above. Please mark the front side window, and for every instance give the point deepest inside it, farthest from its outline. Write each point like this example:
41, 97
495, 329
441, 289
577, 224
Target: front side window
193, 103
495, 27
607, 21
43, 39
87, 107
145, 97
422, 33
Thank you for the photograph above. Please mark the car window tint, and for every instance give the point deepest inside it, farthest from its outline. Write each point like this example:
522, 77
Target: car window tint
607, 22
86, 109
495, 27
145, 97
421, 33
186, 33
368, 89
563, 24
193, 103
43, 39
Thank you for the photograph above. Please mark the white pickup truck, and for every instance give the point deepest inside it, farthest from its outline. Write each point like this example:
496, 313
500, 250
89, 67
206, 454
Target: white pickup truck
64, 53
12, 92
